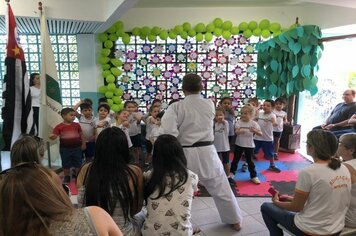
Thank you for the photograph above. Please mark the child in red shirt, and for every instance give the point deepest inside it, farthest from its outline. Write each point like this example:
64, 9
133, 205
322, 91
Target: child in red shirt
72, 142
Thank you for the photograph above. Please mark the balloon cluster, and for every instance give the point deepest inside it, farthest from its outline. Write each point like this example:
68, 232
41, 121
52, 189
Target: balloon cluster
218, 28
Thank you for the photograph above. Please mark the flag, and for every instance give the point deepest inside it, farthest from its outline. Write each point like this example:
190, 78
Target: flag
17, 111
51, 101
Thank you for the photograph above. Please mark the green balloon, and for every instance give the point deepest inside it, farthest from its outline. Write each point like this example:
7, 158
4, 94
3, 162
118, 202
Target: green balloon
265, 33
136, 31
108, 44
264, 24
247, 33
113, 37
178, 29
172, 35
110, 79
103, 89
105, 52
155, 30
120, 32
102, 37
111, 86
184, 35
243, 26
275, 27
105, 73
199, 28
121, 106
142, 37
208, 36
199, 37
227, 25
235, 30
117, 100
275, 34
119, 24
126, 39
151, 38
119, 92
116, 62
163, 35
109, 94
115, 107
115, 71
217, 32
218, 22
256, 32
226, 35
110, 102
187, 26
103, 60
145, 30
112, 29
210, 27
252, 25
106, 67
192, 33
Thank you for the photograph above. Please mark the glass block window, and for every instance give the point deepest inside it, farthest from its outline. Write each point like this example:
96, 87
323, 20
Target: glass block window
66, 57
155, 69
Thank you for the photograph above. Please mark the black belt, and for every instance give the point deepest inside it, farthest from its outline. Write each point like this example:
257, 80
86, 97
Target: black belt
200, 144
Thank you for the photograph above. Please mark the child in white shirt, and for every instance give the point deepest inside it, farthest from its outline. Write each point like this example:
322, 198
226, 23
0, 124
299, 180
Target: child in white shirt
281, 118
103, 120
221, 138
155, 129
134, 119
122, 122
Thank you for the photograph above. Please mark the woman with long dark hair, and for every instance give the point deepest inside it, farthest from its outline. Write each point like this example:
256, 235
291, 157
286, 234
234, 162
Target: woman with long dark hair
112, 183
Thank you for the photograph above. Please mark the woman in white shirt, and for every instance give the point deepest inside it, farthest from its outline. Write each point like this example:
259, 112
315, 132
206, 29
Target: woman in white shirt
35, 88
347, 150
322, 193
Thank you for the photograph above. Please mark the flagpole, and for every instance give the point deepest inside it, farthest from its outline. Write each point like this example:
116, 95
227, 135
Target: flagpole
47, 143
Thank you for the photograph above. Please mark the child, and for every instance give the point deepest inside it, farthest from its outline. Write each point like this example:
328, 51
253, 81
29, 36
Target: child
150, 122
111, 114
72, 142
266, 120
191, 121
221, 138
154, 132
281, 119
122, 122
169, 190
229, 114
103, 120
245, 129
134, 128
86, 121
256, 106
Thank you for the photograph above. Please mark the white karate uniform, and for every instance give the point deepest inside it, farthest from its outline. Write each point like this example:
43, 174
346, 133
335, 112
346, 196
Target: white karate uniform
191, 121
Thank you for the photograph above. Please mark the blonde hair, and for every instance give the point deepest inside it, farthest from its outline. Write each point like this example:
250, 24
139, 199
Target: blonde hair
349, 142
249, 109
30, 201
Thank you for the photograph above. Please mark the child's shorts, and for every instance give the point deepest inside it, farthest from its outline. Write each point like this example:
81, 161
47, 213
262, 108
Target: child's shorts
277, 134
71, 157
136, 140
149, 146
267, 147
90, 150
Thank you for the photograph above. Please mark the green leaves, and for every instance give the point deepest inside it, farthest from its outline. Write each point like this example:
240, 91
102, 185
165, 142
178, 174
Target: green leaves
287, 64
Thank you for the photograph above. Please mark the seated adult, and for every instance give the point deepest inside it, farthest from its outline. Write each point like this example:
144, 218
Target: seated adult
321, 197
340, 115
350, 129
111, 183
347, 150
33, 204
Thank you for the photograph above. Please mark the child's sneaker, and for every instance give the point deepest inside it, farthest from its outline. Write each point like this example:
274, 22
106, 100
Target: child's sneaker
255, 180
66, 179
244, 167
274, 169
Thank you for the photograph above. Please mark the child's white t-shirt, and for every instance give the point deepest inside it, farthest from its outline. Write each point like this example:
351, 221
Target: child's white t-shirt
101, 124
88, 126
154, 132
246, 139
149, 127
221, 136
126, 131
265, 123
134, 128
279, 117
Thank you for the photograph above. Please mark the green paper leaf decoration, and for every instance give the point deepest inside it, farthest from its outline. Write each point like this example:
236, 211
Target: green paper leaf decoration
287, 64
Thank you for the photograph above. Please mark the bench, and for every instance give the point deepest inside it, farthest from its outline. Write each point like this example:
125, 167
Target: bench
346, 231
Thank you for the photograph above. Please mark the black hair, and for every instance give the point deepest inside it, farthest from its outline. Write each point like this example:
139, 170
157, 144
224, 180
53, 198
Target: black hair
108, 180
102, 100
280, 100
130, 102
155, 101
270, 101
192, 83
169, 167
66, 110
88, 100
32, 77
225, 98
85, 106
104, 105
160, 114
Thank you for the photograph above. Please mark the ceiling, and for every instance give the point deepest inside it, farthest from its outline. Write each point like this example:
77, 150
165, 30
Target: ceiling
31, 25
